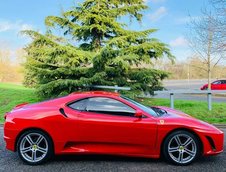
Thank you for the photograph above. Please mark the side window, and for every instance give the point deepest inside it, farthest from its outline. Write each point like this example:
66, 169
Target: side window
216, 82
79, 105
109, 106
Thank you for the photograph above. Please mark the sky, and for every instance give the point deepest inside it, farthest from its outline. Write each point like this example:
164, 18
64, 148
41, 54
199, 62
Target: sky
170, 17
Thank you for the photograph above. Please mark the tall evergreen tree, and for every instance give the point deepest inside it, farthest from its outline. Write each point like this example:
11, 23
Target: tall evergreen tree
97, 50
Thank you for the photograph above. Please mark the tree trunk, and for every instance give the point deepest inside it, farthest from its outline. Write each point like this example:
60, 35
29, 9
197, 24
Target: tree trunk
209, 77
210, 40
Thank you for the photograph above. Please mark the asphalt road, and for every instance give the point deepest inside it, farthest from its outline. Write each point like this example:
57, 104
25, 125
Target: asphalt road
9, 162
184, 84
194, 84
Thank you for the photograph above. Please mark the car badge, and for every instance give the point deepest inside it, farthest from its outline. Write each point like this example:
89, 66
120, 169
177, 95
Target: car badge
161, 121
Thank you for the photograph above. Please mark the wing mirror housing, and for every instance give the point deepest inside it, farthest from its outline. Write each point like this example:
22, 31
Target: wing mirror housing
138, 114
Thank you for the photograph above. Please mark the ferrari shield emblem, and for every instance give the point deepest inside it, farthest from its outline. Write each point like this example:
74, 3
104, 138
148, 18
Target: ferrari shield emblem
161, 121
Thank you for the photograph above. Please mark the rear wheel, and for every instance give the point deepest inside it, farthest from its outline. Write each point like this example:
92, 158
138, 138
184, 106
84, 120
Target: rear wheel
34, 147
181, 147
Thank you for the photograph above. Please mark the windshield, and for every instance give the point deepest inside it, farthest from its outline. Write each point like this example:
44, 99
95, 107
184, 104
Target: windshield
148, 110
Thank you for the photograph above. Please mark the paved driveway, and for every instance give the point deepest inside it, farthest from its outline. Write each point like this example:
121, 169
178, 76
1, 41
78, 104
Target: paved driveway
9, 162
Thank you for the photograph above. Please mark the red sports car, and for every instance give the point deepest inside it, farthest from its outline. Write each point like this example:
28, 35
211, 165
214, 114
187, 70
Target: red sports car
216, 85
107, 123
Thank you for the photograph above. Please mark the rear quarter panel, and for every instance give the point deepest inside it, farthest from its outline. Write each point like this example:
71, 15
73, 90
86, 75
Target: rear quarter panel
47, 119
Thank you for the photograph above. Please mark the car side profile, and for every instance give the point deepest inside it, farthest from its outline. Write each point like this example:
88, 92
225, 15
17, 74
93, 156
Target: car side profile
107, 123
216, 85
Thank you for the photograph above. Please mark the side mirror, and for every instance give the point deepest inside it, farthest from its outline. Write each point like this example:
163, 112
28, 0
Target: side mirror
138, 114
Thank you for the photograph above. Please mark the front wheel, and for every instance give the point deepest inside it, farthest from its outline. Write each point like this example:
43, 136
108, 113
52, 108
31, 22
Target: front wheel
181, 148
34, 147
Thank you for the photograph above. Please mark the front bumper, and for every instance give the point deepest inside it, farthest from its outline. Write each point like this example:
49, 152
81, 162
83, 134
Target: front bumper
213, 142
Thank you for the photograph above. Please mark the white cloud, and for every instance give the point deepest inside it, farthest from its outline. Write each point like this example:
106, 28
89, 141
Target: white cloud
158, 14
179, 42
185, 20
14, 26
4, 26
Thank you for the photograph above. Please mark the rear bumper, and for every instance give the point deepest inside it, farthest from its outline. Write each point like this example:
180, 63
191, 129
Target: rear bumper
10, 137
10, 143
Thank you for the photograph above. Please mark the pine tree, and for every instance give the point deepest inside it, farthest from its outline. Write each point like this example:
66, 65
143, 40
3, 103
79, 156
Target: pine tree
97, 50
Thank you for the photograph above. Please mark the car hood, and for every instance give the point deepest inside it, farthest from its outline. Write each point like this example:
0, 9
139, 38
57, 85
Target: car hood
173, 112
179, 118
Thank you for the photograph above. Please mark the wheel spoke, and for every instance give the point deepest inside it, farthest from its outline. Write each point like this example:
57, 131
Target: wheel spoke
42, 150
29, 139
40, 138
34, 155
174, 149
177, 139
180, 157
24, 150
188, 141
189, 152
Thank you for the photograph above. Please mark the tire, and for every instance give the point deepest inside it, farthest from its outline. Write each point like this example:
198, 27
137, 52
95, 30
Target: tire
181, 148
34, 147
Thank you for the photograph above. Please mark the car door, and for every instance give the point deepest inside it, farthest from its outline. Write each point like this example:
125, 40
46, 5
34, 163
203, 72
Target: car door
223, 84
216, 85
72, 111
109, 126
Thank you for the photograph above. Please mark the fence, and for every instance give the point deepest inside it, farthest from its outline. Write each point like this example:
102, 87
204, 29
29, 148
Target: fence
208, 92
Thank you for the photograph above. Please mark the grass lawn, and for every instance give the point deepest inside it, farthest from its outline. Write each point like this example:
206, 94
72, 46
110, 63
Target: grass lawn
11, 95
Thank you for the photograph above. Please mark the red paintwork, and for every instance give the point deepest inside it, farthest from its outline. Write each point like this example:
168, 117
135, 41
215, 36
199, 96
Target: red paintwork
220, 86
93, 133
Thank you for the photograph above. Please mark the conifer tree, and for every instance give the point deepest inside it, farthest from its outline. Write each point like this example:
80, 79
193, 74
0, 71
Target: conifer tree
97, 49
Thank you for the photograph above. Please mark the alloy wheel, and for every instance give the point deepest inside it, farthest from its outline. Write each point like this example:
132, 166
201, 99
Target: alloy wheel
182, 148
33, 147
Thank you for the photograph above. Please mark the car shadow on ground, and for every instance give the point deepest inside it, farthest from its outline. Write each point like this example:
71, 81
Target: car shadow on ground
123, 159
110, 158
